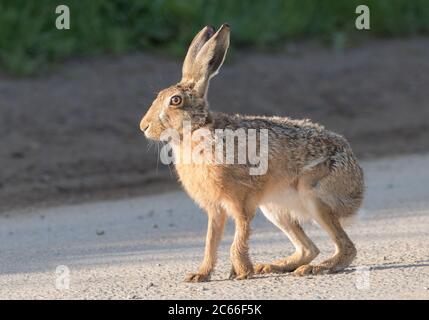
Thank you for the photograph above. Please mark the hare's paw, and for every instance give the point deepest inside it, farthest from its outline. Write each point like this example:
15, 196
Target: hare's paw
309, 269
264, 268
232, 274
281, 266
242, 275
197, 277
332, 265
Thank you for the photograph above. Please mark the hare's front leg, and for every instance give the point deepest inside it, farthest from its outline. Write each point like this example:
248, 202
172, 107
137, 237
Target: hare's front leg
216, 225
242, 267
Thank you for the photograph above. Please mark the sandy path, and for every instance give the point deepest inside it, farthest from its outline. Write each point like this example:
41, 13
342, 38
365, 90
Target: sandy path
142, 248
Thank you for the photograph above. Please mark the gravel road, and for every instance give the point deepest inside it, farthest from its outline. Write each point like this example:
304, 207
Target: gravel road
141, 248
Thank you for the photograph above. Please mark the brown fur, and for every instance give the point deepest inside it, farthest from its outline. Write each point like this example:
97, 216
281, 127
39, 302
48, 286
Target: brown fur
307, 163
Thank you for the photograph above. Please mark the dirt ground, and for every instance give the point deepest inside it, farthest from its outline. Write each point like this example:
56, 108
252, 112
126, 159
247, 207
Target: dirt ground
74, 134
142, 248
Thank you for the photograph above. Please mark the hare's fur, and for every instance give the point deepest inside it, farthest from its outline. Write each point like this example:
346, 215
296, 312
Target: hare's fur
312, 173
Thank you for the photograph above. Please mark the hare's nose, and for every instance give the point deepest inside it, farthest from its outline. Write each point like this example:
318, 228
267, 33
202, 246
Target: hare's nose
143, 126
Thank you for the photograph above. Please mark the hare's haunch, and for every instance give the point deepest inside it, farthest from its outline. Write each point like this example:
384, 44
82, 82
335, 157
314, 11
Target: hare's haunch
310, 174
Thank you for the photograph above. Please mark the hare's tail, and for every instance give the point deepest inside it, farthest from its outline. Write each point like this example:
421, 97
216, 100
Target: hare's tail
343, 189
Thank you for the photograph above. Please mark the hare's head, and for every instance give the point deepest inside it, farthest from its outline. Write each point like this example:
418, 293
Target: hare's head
187, 100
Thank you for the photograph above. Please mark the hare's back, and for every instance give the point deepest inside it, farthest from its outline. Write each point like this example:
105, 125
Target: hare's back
300, 140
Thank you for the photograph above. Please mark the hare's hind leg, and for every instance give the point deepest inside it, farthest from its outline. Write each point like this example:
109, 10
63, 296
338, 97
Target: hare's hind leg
345, 250
305, 249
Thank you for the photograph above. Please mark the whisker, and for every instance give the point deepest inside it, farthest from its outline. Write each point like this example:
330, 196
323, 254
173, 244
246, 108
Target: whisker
150, 145
157, 158
164, 143
171, 172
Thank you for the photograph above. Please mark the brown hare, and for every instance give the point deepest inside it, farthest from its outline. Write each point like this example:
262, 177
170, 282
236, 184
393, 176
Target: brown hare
311, 174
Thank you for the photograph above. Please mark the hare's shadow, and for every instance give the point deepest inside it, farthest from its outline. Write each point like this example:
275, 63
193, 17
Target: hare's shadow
384, 266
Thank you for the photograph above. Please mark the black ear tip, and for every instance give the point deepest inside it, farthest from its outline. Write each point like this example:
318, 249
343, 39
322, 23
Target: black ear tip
226, 25
210, 30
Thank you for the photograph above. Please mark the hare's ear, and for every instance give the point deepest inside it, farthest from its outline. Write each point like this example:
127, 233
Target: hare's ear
197, 43
209, 59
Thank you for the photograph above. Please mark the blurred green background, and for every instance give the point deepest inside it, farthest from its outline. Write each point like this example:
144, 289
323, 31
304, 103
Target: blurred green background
29, 41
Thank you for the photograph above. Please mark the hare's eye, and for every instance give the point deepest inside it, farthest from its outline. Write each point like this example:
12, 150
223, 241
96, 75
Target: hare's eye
176, 100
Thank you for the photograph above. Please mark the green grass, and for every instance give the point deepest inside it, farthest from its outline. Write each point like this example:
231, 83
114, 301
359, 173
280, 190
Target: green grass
29, 40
